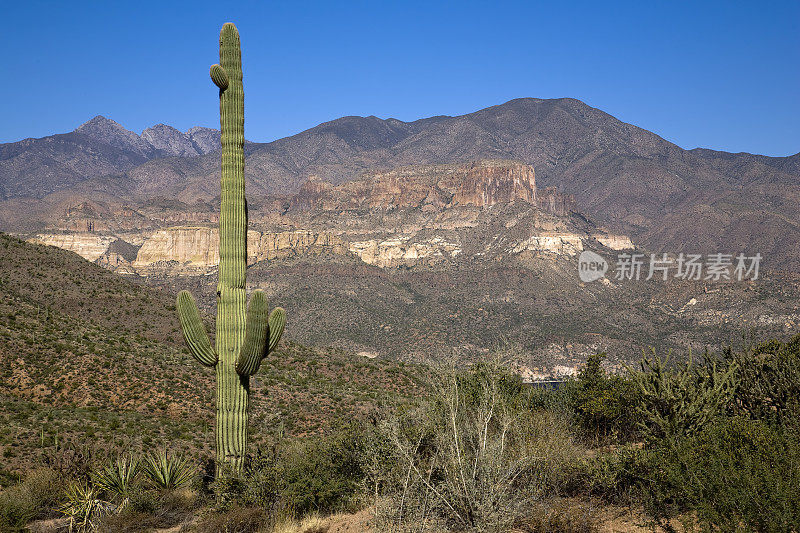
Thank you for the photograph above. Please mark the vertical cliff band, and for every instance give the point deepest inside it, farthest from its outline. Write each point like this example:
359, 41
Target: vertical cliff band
244, 336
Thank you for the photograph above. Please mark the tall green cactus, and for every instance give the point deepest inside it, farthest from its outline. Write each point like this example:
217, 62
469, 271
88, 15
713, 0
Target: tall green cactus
244, 336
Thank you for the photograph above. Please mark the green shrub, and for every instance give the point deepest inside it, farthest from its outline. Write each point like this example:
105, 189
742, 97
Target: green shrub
116, 477
16, 510
768, 381
35, 497
603, 404
616, 475
323, 474
320, 474
739, 473
672, 403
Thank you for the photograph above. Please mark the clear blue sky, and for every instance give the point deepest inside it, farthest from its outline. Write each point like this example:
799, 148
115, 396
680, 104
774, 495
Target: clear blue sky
722, 75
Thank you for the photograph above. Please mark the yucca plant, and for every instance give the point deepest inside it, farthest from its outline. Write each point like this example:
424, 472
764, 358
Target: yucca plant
168, 471
116, 477
84, 508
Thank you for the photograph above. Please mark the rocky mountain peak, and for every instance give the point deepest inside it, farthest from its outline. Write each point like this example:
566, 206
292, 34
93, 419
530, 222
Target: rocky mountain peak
205, 139
171, 141
114, 134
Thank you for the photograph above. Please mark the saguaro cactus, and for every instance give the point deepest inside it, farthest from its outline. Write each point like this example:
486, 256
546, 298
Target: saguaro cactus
244, 336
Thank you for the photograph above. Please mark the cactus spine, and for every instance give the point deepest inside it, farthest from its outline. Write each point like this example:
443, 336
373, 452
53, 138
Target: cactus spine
244, 336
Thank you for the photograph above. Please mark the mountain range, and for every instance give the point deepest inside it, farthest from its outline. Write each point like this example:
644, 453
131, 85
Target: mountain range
624, 177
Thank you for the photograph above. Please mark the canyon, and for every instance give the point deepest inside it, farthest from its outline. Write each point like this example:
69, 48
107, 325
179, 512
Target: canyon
420, 215
439, 238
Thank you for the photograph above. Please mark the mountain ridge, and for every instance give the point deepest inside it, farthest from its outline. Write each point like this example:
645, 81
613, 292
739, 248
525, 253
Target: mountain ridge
629, 179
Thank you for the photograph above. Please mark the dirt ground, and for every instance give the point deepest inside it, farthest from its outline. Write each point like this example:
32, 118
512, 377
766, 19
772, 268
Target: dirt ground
612, 519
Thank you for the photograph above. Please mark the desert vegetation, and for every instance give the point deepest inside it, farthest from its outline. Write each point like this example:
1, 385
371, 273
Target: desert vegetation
712, 444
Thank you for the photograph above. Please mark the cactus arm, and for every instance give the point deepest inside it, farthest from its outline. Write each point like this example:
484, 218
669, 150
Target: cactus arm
255, 337
219, 77
277, 321
194, 331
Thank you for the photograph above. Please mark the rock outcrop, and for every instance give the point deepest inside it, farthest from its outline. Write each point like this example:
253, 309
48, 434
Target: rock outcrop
614, 242
87, 245
196, 249
437, 187
404, 250
424, 215
170, 141
556, 243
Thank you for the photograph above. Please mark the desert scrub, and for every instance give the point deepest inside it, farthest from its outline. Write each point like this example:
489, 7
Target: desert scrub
738, 474
604, 405
473, 456
673, 402
295, 477
35, 497
768, 385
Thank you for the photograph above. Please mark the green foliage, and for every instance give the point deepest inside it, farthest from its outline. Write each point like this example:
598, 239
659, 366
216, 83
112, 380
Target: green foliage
616, 475
673, 403
84, 508
322, 474
30, 499
168, 471
737, 475
768, 381
604, 405
116, 478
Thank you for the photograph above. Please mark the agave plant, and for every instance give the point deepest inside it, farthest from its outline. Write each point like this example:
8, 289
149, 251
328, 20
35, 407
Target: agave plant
116, 477
84, 508
168, 471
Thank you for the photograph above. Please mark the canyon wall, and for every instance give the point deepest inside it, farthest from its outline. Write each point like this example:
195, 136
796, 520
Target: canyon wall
436, 187
419, 215
197, 248
87, 245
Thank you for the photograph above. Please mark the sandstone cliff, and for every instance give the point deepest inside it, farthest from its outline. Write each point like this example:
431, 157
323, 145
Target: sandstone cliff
197, 248
87, 245
481, 183
411, 216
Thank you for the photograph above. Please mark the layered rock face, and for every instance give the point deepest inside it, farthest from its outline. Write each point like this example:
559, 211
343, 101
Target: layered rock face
431, 215
197, 248
404, 250
87, 245
615, 242
556, 243
438, 187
